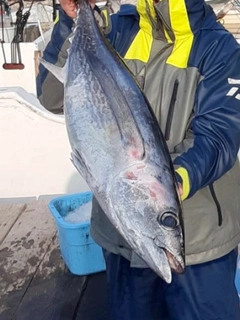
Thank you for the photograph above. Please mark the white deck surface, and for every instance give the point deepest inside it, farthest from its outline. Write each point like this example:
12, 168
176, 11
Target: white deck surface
35, 151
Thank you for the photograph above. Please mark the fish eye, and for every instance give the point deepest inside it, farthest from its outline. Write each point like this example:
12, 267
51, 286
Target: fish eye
168, 220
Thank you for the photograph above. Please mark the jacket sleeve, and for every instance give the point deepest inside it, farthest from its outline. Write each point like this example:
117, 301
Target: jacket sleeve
49, 89
215, 128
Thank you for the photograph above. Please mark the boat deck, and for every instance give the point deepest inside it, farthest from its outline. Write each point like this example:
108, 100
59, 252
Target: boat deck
34, 281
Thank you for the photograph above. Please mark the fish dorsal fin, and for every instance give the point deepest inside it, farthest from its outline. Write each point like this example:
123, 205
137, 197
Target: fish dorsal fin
129, 130
58, 72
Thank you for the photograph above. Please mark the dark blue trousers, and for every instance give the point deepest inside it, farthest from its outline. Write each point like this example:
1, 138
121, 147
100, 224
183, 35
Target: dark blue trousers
204, 292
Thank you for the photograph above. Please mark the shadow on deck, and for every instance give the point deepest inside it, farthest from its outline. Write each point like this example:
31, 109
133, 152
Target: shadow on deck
63, 297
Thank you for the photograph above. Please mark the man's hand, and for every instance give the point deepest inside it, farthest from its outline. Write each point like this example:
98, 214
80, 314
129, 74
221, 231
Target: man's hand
70, 7
180, 190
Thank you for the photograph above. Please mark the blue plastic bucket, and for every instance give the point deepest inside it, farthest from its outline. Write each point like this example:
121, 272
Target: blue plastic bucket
79, 251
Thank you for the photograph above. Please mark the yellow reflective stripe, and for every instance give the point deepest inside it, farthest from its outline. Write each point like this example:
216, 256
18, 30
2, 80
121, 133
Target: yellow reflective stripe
182, 32
185, 179
57, 18
105, 13
142, 8
141, 46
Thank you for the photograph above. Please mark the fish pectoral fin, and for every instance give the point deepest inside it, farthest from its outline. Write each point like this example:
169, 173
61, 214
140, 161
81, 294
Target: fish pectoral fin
78, 163
81, 166
58, 72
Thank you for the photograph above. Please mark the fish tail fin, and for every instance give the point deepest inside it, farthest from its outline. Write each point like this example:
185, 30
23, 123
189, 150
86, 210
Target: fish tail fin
58, 72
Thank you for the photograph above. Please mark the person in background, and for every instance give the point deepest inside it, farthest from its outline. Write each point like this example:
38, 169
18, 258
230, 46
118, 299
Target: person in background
189, 68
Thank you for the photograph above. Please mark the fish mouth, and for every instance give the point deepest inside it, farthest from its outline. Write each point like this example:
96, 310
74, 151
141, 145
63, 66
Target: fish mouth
166, 275
162, 261
175, 260
175, 265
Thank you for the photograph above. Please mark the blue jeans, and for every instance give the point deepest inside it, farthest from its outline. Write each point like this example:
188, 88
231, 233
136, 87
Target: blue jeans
204, 292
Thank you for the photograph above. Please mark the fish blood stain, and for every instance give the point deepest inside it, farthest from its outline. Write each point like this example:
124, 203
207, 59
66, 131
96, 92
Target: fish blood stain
130, 175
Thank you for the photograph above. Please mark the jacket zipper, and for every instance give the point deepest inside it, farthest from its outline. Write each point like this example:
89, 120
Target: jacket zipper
219, 211
171, 110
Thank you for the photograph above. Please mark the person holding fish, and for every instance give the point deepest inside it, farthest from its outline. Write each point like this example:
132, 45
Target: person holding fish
165, 260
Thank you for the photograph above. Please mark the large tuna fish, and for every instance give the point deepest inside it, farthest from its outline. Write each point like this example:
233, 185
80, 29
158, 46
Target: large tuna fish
118, 148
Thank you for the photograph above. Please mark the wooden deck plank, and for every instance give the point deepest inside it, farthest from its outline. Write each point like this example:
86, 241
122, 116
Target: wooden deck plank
54, 293
232, 22
53, 298
21, 253
9, 213
232, 25
34, 281
94, 304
